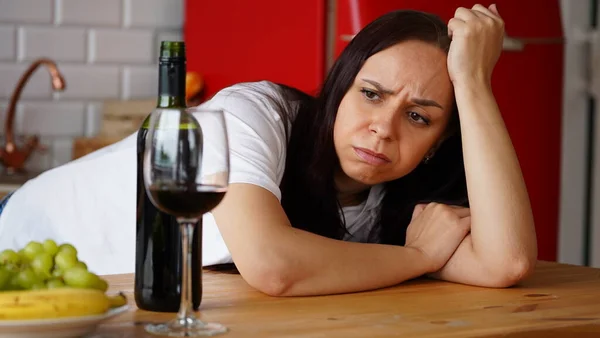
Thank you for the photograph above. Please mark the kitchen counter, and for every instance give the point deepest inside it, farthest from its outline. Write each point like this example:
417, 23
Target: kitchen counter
558, 300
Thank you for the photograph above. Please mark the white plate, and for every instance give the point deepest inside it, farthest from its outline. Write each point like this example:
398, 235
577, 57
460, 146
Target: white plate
56, 327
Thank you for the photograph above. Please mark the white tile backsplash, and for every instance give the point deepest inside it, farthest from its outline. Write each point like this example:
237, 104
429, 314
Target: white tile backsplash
121, 46
8, 41
3, 106
26, 11
105, 50
90, 82
89, 12
58, 44
61, 151
57, 119
168, 35
38, 86
140, 82
41, 160
153, 13
93, 119
18, 119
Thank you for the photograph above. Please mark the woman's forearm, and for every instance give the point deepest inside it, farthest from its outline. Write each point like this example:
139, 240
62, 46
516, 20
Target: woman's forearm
280, 260
502, 226
313, 265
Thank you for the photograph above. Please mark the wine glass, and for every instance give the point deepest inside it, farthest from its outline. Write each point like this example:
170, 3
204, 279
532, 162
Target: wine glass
186, 174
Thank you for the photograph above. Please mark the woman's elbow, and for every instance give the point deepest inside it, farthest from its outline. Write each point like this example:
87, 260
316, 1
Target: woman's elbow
271, 279
272, 283
512, 273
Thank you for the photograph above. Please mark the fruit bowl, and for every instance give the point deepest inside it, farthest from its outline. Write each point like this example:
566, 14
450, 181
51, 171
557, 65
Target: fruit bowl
56, 327
47, 291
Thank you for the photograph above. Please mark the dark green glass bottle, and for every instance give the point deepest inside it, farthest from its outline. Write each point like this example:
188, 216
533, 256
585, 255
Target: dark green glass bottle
158, 260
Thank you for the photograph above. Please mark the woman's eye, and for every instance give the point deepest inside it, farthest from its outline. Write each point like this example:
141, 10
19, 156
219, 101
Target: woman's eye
418, 118
369, 94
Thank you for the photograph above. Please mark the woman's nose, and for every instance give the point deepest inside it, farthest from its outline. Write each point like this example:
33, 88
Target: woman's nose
382, 125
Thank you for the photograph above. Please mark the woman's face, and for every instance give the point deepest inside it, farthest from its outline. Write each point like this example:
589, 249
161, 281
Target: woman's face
394, 113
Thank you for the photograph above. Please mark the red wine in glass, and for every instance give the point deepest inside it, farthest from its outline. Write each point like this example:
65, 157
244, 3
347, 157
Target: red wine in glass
186, 174
187, 201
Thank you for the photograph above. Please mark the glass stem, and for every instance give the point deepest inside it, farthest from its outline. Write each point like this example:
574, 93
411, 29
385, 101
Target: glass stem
185, 308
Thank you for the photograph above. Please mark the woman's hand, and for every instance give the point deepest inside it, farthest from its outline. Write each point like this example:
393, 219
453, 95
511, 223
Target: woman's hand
436, 230
477, 36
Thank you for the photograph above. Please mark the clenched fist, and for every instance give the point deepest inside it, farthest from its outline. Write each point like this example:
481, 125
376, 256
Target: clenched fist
477, 36
436, 230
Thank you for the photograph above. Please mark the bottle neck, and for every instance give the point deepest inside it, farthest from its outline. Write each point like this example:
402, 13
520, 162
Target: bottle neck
171, 83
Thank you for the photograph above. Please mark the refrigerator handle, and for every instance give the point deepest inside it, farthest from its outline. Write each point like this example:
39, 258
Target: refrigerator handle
513, 44
509, 44
518, 44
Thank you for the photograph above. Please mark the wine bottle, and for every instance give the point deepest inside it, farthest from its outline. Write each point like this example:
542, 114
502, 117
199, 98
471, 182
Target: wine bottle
158, 257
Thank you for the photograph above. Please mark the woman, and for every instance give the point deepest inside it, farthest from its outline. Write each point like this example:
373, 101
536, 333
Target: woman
362, 187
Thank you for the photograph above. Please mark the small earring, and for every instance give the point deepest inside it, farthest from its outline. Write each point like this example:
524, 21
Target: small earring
427, 158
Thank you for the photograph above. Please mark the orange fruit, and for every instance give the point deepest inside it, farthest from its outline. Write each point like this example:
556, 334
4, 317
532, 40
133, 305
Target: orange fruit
193, 84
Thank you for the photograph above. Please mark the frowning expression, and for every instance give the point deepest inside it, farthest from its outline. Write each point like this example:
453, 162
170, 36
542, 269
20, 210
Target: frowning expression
395, 112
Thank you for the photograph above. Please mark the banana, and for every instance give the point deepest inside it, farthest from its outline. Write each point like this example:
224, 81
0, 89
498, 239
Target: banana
117, 300
56, 303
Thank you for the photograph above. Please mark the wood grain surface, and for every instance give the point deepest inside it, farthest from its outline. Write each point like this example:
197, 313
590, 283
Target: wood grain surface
558, 300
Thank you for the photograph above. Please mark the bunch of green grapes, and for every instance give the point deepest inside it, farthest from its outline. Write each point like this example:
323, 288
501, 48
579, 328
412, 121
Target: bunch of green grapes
46, 265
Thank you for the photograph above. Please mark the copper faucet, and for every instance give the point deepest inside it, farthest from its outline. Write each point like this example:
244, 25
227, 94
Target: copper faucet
12, 158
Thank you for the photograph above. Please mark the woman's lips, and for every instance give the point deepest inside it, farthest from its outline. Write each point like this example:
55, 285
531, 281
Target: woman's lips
371, 157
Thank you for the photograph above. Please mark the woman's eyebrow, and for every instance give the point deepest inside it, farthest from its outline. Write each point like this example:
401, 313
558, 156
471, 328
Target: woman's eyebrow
426, 102
379, 87
416, 100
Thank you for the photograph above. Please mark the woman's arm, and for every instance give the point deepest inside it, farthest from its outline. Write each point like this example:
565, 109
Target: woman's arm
501, 248
280, 260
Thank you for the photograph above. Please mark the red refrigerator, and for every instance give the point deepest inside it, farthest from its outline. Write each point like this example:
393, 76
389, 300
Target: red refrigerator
240, 40
293, 42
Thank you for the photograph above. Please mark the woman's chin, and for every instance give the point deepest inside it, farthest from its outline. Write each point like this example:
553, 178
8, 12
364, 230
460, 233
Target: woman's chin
366, 178
365, 174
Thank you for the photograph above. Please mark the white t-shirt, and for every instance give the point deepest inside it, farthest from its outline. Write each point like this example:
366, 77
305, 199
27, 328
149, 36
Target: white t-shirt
91, 202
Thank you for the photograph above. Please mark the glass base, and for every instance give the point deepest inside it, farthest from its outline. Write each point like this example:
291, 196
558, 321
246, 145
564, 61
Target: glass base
189, 327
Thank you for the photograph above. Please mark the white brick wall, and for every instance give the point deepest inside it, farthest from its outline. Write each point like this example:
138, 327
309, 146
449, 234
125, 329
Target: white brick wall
39, 118
89, 12
59, 44
153, 13
92, 81
104, 49
121, 46
7, 36
26, 11
139, 82
37, 88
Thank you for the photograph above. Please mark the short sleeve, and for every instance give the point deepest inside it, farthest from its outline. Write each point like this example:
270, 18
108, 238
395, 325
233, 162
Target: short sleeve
256, 132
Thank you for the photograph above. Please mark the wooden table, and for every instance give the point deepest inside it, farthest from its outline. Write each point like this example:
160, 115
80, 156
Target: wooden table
556, 301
